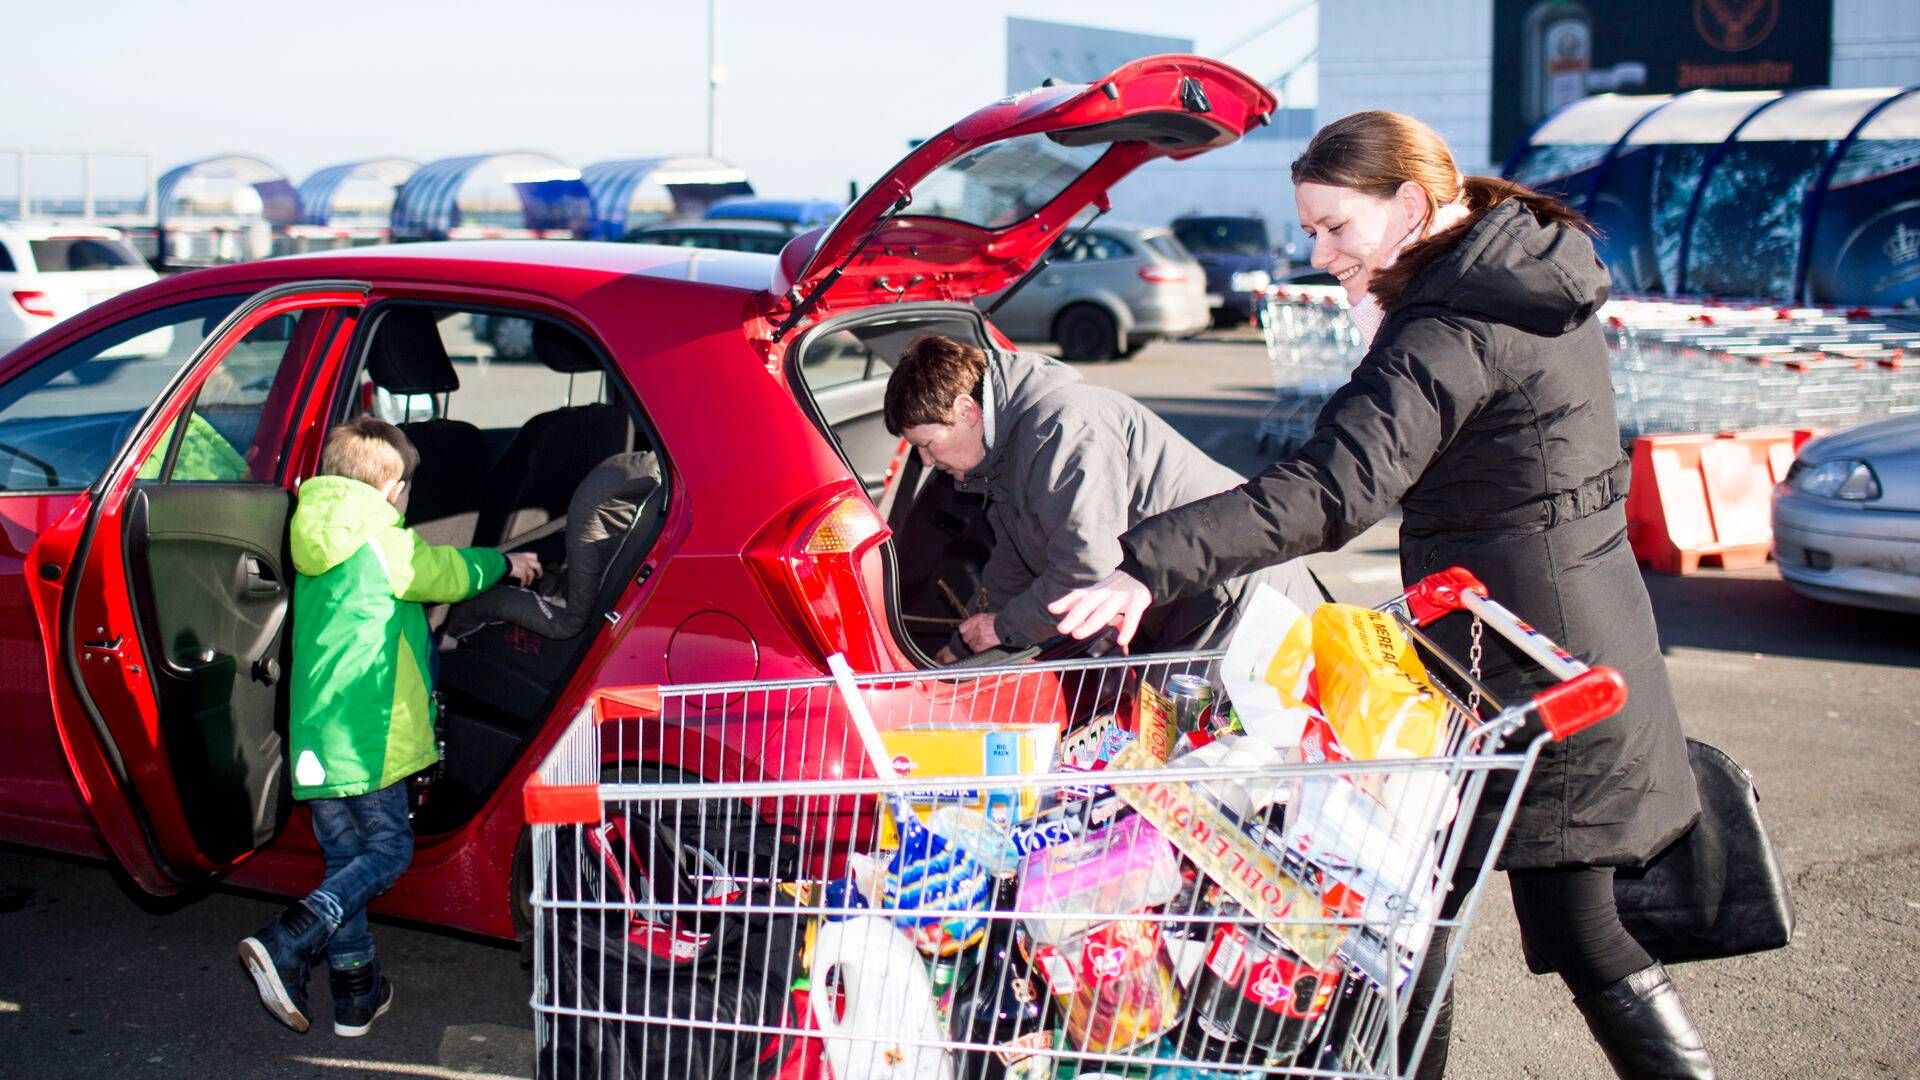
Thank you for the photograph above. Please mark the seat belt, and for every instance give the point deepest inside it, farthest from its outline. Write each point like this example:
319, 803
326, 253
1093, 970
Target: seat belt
537, 533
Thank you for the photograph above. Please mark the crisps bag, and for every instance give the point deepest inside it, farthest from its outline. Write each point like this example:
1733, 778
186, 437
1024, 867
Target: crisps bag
1373, 688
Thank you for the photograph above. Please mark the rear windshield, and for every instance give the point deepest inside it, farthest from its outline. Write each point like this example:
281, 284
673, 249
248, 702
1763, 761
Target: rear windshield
1168, 248
1232, 236
1003, 182
62, 254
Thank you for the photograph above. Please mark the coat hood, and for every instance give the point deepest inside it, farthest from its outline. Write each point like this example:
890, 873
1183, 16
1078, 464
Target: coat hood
1511, 267
334, 518
1016, 383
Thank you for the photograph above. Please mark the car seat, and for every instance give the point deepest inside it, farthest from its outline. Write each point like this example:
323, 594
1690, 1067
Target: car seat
408, 357
513, 646
552, 452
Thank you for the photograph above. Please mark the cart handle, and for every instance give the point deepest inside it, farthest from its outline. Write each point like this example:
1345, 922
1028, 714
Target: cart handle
1441, 594
1580, 702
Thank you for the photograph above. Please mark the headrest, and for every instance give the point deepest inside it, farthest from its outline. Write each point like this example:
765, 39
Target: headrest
408, 355
562, 350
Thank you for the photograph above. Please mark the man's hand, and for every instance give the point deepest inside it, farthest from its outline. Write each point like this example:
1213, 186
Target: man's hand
523, 567
979, 633
1115, 600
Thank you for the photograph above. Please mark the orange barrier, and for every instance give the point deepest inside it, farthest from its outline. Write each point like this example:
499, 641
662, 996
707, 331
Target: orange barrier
1696, 497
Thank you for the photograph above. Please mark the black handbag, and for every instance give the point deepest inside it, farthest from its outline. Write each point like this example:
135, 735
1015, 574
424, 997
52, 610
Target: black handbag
1717, 891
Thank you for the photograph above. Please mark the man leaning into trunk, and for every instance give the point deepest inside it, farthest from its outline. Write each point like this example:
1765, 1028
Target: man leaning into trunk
1065, 468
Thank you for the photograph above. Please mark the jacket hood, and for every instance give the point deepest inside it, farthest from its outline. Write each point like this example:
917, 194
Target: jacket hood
1512, 267
333, 519
1016, 382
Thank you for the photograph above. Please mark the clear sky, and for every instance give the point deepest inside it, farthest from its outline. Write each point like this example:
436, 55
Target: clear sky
817, 94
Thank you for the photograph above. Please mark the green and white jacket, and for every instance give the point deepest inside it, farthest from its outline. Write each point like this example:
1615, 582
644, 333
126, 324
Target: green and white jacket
361, 717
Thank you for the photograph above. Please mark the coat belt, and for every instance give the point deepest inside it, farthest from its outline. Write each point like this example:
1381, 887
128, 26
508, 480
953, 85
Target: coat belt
1583, 500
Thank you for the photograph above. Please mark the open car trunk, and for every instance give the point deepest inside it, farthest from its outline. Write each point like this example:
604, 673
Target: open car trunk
941, 539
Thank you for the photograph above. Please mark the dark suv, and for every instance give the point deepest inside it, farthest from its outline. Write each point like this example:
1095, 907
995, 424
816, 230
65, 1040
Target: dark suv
1238, 257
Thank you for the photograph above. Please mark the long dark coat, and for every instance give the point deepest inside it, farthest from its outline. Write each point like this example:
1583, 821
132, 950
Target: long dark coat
1484, 408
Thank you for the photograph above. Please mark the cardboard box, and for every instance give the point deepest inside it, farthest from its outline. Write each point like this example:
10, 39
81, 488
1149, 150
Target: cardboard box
1011, 750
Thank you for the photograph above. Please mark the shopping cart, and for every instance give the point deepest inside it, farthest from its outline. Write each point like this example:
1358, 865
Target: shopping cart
1312, 346
1248, 916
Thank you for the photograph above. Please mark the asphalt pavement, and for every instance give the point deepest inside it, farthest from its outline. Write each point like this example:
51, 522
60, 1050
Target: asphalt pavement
1821, 703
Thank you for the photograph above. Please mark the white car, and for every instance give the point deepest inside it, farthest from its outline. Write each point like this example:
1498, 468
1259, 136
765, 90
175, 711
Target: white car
50, 271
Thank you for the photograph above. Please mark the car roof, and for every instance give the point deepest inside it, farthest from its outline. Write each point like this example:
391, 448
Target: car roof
456, 260
43, 230
735, 225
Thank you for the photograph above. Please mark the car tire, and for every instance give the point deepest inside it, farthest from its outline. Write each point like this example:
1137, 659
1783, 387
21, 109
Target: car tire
1135, 346
1086, 332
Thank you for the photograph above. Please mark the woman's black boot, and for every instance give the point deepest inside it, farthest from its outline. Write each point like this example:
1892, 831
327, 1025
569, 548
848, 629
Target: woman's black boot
1433, 1063
1644, 1028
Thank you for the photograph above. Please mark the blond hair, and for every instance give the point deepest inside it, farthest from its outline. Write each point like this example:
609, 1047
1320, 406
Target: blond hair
369, 450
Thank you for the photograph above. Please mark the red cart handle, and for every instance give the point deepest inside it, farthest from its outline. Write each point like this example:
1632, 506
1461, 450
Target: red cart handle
1581, 702
1441, 594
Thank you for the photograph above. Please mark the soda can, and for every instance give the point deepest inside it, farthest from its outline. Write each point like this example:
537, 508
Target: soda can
1191, 695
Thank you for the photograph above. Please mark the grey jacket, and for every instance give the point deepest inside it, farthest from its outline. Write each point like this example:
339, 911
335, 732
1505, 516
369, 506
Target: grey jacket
1070, 467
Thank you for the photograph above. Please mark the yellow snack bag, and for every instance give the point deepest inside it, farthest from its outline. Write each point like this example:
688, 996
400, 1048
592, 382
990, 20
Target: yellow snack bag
1373, 688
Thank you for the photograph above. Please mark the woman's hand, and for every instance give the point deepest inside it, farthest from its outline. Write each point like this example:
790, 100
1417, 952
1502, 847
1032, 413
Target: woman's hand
980, 633
1115, 600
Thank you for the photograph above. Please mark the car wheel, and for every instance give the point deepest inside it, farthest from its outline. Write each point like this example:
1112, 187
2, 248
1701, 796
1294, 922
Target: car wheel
1085, 332
1135, 346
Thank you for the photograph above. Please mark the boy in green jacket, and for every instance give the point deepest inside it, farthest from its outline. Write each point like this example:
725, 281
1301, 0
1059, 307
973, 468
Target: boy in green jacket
361, 716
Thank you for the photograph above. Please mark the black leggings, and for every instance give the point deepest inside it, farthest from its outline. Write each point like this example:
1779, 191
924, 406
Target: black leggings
1567, 917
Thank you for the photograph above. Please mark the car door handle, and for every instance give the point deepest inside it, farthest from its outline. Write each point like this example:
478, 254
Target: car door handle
260, 579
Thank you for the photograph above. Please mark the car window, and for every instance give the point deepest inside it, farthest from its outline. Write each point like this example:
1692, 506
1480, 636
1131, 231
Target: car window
6, 260
1002, 182
836, 360
226, 436
504, 381
760, 243
63, 254
1167, 248
1095, 247
63, 419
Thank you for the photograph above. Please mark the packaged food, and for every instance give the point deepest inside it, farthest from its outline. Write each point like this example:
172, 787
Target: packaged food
1070, 888
1373, 688
1155, 720
929, 873
1114, 984
1268, 669
1255, 993
975, 750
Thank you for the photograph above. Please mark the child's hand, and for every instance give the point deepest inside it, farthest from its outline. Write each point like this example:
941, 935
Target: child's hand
523, 567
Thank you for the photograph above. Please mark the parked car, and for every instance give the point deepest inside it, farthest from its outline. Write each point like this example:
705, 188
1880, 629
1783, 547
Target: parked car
52, 271
146, 578
760, 237
1239, 260
795, 215
1846, 521
1108, 291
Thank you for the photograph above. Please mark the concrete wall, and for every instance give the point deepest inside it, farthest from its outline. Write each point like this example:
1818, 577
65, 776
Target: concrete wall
1876, 42
1433, 61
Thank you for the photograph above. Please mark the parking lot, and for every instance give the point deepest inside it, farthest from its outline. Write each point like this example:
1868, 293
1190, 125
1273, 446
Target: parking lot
1821, 703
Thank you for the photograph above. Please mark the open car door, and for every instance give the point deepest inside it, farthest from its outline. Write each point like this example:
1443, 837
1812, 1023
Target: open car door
168, 589
972, 209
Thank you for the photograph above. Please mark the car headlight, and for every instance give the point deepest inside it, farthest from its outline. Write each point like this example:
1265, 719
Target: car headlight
1249, 281
1841, 478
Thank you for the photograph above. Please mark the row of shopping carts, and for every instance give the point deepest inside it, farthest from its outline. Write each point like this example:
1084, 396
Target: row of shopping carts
1678, 367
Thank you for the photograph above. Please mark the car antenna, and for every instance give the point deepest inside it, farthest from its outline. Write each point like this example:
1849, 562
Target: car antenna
1100, 207
805, 304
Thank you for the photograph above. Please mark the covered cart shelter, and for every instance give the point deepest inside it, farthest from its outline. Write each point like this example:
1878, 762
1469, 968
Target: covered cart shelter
219, 210
633, 192
1809, 196
517, 194
348, 205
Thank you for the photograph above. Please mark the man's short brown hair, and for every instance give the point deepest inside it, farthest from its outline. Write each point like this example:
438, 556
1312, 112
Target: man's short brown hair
370, 450
932, 372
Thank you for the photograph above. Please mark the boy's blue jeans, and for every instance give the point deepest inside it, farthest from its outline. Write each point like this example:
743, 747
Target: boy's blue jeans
368, 842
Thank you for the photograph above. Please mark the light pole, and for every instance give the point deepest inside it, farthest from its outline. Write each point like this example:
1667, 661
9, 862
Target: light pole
714, 77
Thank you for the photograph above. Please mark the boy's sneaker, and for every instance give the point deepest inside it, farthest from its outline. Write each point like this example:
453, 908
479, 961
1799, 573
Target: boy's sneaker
279, 957
360, 996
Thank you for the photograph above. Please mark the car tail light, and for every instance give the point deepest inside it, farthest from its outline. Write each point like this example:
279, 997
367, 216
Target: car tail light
34, 303
1156, 274
810, 562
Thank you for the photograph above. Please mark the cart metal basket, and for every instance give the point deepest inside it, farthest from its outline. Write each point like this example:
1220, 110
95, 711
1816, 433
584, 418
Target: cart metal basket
738, 879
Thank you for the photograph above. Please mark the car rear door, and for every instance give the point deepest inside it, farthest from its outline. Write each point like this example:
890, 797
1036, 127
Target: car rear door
165, 592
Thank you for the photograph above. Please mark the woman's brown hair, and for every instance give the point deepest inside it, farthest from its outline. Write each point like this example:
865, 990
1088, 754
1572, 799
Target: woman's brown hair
1374, 152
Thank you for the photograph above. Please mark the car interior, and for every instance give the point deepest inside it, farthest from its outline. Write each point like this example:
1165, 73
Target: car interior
526, 442
941, 538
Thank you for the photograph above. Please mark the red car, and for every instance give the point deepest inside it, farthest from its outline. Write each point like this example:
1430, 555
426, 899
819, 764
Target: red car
150, 449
